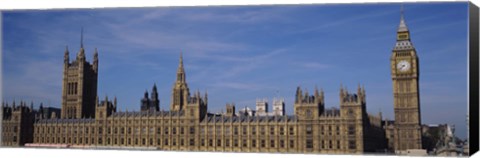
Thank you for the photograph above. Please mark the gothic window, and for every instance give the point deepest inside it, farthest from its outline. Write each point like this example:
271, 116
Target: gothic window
281, 130
309, 144
192, 142
291, 131
192, 130
308, 130
218, 130
272, 143
272, 130
244, 143
262, 130
235, 130
202, 142
219, 142
244, 130
210, 130
254, 143
254, 130
322, 130
351, 130
338, 144
262, 143
292, 143
351, 144
235, 142
227, 142
166, 141
282, 143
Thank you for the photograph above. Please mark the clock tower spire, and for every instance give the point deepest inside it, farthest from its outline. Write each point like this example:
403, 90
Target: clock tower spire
406, 102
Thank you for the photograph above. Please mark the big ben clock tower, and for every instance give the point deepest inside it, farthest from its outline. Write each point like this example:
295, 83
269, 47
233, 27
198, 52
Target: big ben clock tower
405, 75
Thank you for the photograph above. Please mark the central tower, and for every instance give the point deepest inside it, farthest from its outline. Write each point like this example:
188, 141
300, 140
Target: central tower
405, 75
180, 90
79, 89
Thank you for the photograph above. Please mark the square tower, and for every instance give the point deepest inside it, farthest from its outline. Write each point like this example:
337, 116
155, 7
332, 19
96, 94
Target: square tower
405, 76
79, 88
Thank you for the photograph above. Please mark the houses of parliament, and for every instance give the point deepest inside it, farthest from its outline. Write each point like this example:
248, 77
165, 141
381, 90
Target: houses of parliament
86, 120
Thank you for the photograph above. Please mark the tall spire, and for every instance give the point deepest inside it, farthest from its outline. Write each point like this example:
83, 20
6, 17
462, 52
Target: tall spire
81, 53
66, 55
181, 71
403, 26
403, 34
181, 59
81, 38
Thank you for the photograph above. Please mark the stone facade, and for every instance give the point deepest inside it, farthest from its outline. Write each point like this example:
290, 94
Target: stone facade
18, 122
188, 127
85, 121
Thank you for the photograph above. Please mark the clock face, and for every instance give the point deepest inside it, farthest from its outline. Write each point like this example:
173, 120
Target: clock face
403, 66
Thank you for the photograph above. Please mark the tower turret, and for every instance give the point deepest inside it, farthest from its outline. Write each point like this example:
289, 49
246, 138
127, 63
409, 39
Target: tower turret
66, 56
95, 61
180, 92
309, 106
155, 102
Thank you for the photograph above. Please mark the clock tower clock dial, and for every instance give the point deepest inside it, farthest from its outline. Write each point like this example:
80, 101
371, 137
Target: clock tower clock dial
406, 102
403, 66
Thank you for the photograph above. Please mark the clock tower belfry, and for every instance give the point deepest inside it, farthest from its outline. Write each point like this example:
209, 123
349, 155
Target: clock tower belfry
405, 77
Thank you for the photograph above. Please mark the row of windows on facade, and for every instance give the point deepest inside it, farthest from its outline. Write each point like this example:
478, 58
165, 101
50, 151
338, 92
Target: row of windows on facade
138, 130
71, 111
399, 54
9, 139
244, 143
6, 129
72, 88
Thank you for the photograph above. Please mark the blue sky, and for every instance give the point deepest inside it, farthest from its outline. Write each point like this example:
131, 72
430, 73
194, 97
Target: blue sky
241, 53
